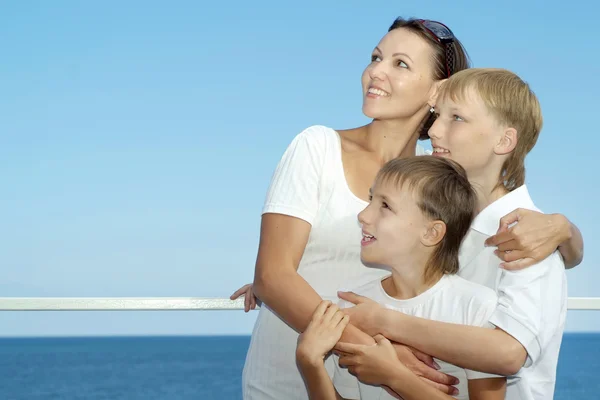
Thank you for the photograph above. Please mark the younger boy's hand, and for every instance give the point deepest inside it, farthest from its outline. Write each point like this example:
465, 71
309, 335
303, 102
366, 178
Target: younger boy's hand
375, 364
323, 332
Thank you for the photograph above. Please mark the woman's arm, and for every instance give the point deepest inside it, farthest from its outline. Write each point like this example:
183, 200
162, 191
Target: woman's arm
534, 237
572, 248
487, 389
276, 281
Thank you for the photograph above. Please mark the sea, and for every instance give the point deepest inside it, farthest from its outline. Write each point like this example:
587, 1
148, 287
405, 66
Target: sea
190, 367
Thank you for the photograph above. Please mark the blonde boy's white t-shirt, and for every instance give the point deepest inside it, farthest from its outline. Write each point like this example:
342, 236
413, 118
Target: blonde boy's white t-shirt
453, 299
532, 303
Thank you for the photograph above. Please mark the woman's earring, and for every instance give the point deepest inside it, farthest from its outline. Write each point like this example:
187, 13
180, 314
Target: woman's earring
432, 110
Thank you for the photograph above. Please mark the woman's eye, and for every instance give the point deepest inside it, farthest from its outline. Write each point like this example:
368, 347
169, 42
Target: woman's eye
375, 58
401, 64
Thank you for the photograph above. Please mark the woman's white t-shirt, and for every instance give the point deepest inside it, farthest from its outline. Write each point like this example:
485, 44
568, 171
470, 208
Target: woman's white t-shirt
309, 183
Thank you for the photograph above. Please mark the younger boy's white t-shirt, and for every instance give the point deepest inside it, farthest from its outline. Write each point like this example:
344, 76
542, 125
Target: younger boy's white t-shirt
452, 299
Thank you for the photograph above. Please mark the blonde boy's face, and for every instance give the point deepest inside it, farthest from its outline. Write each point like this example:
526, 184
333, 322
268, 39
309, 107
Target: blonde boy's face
392, 225
466, 132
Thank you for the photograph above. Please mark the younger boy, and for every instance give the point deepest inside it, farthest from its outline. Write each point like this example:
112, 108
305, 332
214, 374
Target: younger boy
488, 121
420, 210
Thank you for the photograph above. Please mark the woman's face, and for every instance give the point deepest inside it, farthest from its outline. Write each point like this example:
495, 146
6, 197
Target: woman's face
398, 82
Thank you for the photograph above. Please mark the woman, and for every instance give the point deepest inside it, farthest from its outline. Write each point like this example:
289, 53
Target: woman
309, 244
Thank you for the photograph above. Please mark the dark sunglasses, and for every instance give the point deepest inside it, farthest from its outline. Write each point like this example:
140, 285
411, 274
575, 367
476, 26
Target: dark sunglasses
444, 35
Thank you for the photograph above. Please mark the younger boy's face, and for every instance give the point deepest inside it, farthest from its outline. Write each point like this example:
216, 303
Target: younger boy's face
465, 132
392, 226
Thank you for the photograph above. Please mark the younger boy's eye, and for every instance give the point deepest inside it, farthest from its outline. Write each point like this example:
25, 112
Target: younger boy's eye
384, 204
457, 118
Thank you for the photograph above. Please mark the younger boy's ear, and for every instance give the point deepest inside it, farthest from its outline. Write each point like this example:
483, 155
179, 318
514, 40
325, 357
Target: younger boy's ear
507, 142
435, 91
436, 230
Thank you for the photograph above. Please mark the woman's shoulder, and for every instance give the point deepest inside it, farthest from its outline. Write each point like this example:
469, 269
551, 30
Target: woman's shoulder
317, 135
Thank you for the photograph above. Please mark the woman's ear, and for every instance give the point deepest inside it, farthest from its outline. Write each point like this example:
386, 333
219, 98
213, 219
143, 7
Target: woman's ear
434, 233
507, 142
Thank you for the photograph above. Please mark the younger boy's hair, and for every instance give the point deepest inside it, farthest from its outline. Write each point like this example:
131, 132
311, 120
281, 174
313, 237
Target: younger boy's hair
512, 102
443, 193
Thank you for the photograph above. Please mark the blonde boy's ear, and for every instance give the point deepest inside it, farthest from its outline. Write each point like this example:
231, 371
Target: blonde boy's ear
435, 91
436, 230
508, 142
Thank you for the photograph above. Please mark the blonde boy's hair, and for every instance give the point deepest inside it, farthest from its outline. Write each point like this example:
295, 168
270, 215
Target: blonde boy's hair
510, 100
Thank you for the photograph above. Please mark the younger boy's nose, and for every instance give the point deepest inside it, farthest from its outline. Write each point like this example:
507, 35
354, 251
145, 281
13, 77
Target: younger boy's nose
363, 216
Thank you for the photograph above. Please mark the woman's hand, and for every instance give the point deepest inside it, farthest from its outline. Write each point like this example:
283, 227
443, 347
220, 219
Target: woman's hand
250, 299
322, 333
532, 238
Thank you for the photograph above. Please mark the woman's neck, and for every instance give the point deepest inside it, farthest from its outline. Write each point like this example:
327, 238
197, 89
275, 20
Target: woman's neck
392, 139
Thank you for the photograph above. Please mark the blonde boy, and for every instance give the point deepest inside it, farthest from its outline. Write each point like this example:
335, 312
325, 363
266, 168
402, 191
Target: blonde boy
488, 120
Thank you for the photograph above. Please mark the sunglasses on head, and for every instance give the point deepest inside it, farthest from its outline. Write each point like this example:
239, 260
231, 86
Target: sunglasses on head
444, 35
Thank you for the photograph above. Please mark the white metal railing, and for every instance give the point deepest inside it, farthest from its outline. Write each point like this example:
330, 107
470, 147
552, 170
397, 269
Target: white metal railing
169, 303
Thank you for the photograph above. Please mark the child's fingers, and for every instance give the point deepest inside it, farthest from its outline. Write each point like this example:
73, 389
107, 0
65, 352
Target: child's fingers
381, 340
348, 361
349, 348
339, 328
336, 318
330, 313
320, 310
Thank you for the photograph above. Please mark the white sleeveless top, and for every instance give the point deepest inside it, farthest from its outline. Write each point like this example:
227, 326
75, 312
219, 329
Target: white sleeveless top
309, 183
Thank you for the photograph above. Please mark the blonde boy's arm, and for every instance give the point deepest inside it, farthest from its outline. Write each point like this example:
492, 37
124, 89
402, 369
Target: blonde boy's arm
572, 248
481, 349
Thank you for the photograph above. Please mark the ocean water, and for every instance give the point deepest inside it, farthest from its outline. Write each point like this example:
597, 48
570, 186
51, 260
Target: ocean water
207, 368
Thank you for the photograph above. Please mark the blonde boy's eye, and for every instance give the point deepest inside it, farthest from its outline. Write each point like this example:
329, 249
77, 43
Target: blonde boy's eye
384, 205
457, 118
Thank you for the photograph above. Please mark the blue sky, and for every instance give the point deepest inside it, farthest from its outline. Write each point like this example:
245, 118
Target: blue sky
137, 139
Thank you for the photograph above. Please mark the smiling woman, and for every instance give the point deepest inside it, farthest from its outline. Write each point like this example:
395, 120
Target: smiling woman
310, 240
